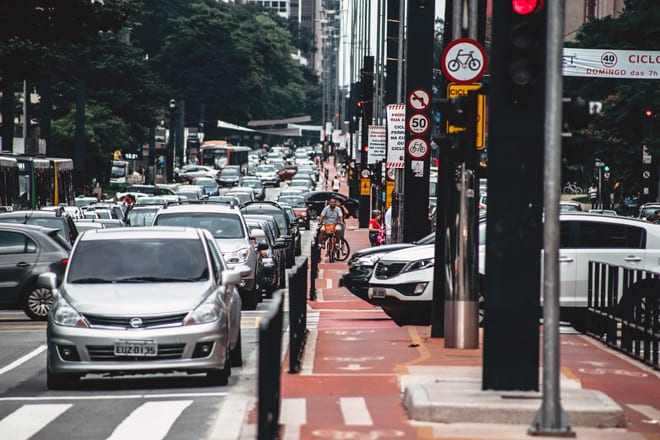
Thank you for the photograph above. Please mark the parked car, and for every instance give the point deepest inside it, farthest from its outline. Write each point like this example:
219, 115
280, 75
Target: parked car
227, 225
167, 303
26, 252
316, 201
361, 265
274, 210
58, 219
300, 209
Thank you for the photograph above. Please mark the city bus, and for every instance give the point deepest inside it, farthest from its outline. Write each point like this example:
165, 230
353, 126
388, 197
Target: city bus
218, 155
9, 192
45, 181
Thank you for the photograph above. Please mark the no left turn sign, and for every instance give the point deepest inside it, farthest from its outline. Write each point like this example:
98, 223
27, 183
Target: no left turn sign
419, 99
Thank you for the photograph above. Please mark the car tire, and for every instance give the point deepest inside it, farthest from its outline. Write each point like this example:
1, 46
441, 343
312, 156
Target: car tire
36, 302
61, 381
220, 377
236, 353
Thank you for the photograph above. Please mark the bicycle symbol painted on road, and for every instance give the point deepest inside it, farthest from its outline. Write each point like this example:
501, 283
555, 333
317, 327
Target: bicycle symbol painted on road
615, 371
464, 60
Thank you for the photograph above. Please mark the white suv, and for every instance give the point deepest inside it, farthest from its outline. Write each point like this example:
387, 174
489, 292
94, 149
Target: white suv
228, 227
402, 282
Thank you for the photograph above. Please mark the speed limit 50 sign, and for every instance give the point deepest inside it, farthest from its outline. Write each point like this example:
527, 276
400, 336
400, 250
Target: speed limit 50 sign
419, 123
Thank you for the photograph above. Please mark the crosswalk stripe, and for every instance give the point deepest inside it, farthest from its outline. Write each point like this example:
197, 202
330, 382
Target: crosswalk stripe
134, 426
650, 412
294, 411
355, 412
29, 419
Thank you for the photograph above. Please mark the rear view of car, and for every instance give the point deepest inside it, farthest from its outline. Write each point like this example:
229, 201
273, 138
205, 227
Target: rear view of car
167, 303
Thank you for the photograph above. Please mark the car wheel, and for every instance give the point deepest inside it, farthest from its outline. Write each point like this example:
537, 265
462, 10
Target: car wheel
236, 353
37, 302
220, 377
61, 381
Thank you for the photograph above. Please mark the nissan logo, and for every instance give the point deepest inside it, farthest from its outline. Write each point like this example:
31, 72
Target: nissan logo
135, 322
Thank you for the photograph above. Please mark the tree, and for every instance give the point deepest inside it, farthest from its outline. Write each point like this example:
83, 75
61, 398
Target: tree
618, 133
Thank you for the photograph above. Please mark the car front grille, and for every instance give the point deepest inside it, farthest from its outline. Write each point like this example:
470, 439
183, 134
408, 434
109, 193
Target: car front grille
106, 353
385, 270
125, 321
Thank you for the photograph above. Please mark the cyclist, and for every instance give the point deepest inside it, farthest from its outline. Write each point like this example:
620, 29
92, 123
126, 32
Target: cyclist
331, 221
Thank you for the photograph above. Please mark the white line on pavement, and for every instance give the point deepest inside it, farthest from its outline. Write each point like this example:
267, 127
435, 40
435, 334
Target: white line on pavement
28, 420
310, 348
230, 419
134, 426
110, 397
23, 359
293, 416
328, 283
650, 412
355, 412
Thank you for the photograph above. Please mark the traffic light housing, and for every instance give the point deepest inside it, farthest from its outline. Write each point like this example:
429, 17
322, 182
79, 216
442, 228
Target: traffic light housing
459, 118
575, 113
526, 44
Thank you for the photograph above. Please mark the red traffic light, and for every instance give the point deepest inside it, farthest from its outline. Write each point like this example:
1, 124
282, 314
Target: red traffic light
524, 7
648, 113
365, 148
359, 104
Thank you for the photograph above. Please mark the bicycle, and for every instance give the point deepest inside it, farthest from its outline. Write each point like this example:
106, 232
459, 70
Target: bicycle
337, 250
469, 61
572, 188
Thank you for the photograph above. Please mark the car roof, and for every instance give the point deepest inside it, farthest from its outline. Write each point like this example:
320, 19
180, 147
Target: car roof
200, 207
147, 232
24, 227
33, 214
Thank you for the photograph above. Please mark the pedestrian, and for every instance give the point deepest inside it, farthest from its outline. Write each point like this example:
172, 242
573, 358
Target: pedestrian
388, 225
593, 195
374, 227
335, 184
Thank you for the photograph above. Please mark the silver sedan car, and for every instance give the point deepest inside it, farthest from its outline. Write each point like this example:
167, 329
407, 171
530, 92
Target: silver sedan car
139, 300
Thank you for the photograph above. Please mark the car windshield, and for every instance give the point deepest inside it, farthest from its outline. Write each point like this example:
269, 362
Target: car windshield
265, 168
220, 225
299, 183
138, 261
252, 183
205, 181
229, 172
294, 202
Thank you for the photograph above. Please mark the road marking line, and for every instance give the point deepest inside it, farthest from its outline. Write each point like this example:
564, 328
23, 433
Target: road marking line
310, 350
134, 425
355, 412
23, 359
29, 419
650, 412
230, 419
112, 397
293, 411
328, 283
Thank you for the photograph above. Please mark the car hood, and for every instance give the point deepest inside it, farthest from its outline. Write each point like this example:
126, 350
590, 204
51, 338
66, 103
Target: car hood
231, 244
135, 298
411, 254
384, 248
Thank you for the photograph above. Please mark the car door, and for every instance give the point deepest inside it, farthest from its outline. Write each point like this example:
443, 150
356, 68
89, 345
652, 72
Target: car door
568, 262
612, 242
18, 256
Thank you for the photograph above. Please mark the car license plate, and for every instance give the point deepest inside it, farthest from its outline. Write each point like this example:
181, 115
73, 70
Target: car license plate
378, 292
136, 348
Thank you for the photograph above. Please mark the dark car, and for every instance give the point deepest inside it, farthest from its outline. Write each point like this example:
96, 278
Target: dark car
274, 210
152, 190
229, 177
272, 262
26, 252
59, 219
278, 251
362, 263
256, 185
316, 201
299, 208
295, 228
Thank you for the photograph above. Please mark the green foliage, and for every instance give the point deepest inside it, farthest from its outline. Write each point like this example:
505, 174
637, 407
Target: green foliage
617, 135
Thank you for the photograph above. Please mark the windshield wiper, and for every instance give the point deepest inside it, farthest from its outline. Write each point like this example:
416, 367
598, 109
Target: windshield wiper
153, 279
91, 281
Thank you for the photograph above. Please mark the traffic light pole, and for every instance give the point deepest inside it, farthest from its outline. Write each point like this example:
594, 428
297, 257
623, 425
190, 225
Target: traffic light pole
367, 120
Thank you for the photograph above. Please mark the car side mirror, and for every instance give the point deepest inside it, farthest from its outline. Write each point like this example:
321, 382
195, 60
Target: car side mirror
258, 234
231, 277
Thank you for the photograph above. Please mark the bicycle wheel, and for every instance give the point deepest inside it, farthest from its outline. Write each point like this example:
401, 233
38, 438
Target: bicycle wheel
343, 250
331, 250
453, 65
474, 64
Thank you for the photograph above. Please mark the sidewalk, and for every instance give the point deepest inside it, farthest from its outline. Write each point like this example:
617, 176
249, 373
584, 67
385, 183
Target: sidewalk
363, 377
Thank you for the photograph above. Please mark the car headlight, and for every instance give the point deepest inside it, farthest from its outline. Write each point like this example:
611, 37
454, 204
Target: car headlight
237, 257
368, 260
419, 265
64, 314
207, 311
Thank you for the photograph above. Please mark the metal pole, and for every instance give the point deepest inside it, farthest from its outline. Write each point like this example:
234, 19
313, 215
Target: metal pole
551, 419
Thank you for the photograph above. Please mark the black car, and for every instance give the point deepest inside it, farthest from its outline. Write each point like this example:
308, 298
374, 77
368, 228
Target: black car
275, 210
279, 251
316, 201
362, 263
58, 219
229, 177
25, 253
254, 183
152, 190
272, 263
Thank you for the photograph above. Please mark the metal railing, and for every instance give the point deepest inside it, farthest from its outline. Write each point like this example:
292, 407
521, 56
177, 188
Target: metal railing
624, 310
297, 313
270, 369
314, 257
